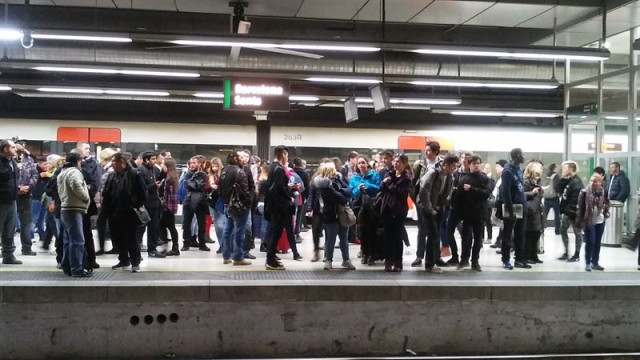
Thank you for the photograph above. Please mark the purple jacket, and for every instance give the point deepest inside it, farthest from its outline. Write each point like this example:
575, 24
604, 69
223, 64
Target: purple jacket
395, 192
29, 173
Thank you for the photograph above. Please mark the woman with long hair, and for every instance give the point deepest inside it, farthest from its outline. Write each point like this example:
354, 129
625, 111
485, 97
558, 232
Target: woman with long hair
314, 213
535, 213
216, 206
170, 205
262, 223
593, 210
333, 194
393, 209
364, 185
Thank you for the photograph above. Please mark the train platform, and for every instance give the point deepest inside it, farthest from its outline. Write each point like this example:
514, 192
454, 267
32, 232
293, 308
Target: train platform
193, 306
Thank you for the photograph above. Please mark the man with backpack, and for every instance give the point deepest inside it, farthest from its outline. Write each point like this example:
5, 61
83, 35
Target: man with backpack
234, 190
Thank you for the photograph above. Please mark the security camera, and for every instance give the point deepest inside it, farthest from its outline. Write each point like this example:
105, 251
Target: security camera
238, 9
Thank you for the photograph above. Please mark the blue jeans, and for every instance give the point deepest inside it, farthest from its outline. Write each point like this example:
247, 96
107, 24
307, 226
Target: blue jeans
233, 235
444, 236
73, 246
332, 231
38, 212
553, 203
593, 239
219, 222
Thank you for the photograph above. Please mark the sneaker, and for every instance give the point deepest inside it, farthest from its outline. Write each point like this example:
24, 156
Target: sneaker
173, 253
495, 245
241, 262
135, 269
208, 240
227, 261
11, 261
297, 257
564, 257
94, 265
348, 265
59, 266
476, 267
156, 254
98, 253
204, 248
441, 263
435, 269
445, 251
463, 264
275, 265
29, 253
574, 258
327, 265
417, 262
185, 247
588, 268
316, 256
112, 252
249, 256
298, 239
263, 248
521, 265
453, 261
121, 265
597, 267
82, 273
507, 265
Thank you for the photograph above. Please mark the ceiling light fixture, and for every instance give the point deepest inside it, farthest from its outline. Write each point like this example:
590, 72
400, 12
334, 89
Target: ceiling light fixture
210, 95
329, 47
71, 90
344, 80
579, 54
479, 84
114, 71
303, 98
414, 101
117, 39
223, 44
9, 34
136, 92
5, 88
505, 113
100, 91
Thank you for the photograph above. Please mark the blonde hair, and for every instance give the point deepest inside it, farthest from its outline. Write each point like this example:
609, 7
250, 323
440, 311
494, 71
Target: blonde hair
598, 177
533, 170
327, 169
107, 154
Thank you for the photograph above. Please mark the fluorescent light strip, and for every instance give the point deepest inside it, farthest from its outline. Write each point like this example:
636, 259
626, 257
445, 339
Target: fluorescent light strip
5, 88
210, 95
511, 55
100, 91
414, 101
472, 84
113, 71
81, 38
344, 80
9, 34
504, 113
329, 48
303, 98
223, 44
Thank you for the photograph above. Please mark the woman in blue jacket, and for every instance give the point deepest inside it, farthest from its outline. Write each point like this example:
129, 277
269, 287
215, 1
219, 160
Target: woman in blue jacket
365, 181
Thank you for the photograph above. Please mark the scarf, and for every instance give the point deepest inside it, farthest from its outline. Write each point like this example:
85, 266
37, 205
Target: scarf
594, 199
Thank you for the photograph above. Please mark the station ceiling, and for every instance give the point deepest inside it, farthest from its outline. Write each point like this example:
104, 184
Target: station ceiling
155, 25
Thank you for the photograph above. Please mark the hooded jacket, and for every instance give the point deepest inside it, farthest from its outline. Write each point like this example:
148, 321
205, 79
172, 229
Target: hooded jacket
74, 194
371, 180
332, 194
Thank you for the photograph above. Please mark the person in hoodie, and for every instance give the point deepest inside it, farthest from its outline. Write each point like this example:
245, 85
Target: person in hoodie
364, 181
393, 209
617, 186
74, 197
473, 192
333, 194
593, 210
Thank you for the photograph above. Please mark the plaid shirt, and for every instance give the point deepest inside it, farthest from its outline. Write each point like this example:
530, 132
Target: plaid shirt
170, 196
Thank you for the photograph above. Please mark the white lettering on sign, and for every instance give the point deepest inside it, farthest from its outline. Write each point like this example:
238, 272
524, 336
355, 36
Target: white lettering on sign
259, 90
247, 100
293, 137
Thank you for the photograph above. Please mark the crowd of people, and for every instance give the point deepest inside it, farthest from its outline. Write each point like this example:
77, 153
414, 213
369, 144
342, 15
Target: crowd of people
363, 201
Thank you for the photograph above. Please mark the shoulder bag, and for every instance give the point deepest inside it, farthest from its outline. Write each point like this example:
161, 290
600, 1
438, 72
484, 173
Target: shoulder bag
346, 217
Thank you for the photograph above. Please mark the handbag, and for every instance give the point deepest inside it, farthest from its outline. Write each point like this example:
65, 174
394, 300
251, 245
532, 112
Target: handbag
142, 215
235, 207
346, 217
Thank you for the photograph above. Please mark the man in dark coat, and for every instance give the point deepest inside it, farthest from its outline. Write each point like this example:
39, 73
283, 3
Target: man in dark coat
9, 173
152, 204
617, 185
569, 187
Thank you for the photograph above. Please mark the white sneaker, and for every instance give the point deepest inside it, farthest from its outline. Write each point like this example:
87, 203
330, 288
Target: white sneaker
348, 265
327, 265
435, 270
135, 269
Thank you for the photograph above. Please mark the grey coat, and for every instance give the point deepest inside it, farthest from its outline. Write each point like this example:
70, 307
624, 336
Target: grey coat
430, 197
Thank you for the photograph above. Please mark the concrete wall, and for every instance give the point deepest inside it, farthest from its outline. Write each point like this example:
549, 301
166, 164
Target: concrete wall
44, 321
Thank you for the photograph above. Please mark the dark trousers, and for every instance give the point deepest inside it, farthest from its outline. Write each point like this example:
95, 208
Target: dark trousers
553, 203
168, 222
393, 226
152, 229
422, 233
123, 234
454, 218
59, 244
316, 230
101, 223
444, 233
515, 226
276, 225
593, 239
432, 245
299, 217
24, 215
489, 226
189, 212
531, 239
472, 230
89, 246
51, 230
8, 228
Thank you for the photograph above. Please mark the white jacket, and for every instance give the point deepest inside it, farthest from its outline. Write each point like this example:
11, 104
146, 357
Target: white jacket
74, 194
